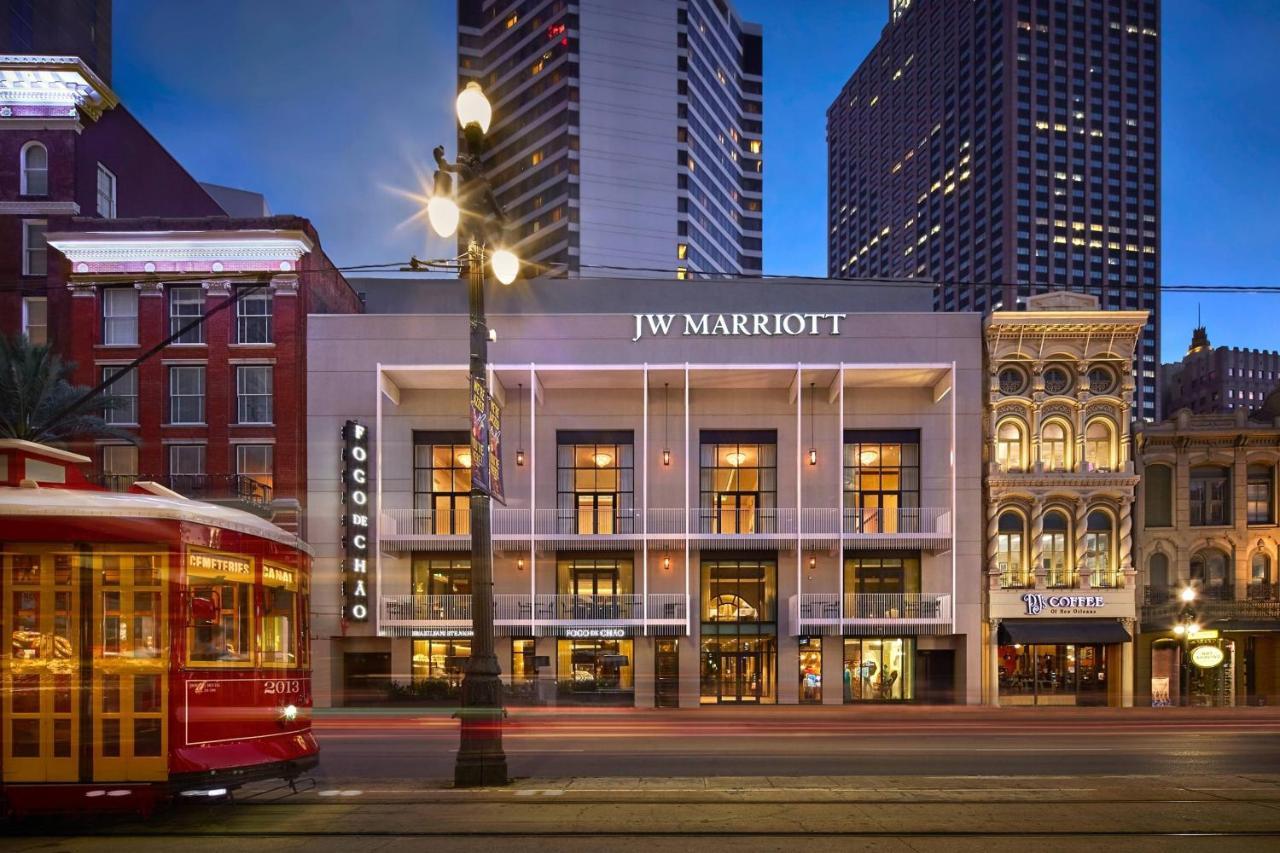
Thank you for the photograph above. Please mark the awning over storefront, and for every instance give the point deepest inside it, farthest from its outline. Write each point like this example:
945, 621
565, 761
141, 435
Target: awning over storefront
1079, 631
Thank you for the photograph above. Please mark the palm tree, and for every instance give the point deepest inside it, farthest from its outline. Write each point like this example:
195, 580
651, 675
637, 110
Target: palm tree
38, 401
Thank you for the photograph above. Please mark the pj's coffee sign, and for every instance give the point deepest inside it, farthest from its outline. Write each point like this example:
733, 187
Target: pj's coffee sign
1063, 605
737, 325
355, 522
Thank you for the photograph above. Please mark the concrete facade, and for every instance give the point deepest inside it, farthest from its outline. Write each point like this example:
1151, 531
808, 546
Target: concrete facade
857, 372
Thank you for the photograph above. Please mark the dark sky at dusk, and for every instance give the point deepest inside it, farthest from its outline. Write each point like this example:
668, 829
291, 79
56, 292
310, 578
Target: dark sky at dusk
328, 106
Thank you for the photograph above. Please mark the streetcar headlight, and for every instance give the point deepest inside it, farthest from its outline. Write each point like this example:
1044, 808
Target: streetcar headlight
289, 713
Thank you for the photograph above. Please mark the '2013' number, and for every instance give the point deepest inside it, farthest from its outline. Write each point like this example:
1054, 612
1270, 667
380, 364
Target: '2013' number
279, 688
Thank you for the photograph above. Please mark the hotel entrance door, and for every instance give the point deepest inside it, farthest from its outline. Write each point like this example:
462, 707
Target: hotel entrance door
738, 670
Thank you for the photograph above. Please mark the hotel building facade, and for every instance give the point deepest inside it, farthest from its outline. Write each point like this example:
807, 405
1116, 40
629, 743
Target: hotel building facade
715, 493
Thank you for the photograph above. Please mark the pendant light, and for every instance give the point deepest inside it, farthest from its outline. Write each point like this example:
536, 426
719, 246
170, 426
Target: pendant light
813, 449
520, 425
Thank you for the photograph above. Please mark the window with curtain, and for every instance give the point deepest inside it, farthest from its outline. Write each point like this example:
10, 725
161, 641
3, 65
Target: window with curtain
253, 318
1209, 493
1010, 558
442, 483
1055, 441
1098, 543
594, 482
35, 253
1099, 444
882, 481
35, 169
254, 394
185, 305
738, 482
1053, 547
119, 316
1259, 492
186, 394
1010, 445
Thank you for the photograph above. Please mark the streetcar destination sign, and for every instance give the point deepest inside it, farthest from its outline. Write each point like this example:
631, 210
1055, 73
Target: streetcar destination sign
355, 522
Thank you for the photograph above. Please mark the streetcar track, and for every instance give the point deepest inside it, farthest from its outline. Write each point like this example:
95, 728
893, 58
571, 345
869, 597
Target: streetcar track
643, 833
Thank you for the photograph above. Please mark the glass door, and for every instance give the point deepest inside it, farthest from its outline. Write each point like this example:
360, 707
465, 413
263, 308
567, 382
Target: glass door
130, 667
41, 682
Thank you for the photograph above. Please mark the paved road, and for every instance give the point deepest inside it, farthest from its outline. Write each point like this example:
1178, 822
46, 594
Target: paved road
807, 741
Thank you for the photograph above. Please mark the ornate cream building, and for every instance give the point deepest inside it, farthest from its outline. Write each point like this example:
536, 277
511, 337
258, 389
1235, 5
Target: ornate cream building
1061, 598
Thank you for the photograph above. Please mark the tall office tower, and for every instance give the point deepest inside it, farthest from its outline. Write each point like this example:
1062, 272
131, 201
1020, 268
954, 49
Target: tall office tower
627, 136
80, 28
1004, 148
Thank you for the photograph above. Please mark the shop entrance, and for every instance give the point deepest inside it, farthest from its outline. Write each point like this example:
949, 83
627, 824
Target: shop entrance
738, 670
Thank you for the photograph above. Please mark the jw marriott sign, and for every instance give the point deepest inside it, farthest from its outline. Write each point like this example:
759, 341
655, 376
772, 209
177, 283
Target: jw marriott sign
737, 325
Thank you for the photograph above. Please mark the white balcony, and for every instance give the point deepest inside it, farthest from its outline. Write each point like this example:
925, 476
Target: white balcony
411, 529
872, 614
523, 615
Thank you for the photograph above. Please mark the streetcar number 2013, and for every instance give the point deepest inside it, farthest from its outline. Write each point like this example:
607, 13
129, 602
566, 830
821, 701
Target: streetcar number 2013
280, 688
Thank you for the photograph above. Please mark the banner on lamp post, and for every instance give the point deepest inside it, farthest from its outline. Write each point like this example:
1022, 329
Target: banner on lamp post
486, 442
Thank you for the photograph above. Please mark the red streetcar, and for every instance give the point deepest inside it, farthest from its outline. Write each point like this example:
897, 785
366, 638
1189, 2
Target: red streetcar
158, 645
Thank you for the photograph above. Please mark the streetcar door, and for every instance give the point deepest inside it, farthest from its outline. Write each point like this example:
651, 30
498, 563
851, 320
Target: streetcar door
130, 667
40, 668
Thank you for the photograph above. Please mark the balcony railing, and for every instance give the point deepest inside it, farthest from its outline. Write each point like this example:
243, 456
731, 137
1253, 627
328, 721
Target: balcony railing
1062, 579
925, 528
214, 488
1253, 602
662, 614
884, 614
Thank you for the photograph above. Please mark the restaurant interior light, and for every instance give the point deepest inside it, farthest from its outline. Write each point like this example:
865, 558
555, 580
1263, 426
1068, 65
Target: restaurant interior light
464, 459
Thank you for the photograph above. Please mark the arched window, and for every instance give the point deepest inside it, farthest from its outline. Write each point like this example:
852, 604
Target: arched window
35, 169
1053, 547
1009, 446
1055, 441
1158, 576
1157, 481
1099, 445
1098, 543
1260, 577
1009, 550
1210, 574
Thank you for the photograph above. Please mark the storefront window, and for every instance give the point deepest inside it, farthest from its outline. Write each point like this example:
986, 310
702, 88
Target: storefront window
879, 669
600, 668
220, 628
811, 670
882, 481
279, 616
440, 660
523, 661
738, 668
1055, 674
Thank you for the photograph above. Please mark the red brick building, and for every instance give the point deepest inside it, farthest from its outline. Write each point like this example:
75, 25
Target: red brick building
107, 246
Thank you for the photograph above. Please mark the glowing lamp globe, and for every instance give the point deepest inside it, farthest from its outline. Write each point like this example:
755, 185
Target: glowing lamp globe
473, 107
506, 266
443, 213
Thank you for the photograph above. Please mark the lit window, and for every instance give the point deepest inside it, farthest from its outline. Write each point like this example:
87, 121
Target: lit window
106, 193
682, 251
754, 146
255, 462
512, 21
682, 273
535, 158
35, 169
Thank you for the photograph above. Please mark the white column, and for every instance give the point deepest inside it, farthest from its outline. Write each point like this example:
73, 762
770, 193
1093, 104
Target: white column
840, 498
377, 500
533, 489
688, 522
644, 502
800, 455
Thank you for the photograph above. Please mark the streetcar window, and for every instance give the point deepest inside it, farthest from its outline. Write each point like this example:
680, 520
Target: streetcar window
279, 616
220, 616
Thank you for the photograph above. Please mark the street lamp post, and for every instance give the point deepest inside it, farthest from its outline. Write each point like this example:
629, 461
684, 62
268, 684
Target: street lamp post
480, 760
1184, 629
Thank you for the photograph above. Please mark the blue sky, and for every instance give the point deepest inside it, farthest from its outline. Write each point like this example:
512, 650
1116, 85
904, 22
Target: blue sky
327, 107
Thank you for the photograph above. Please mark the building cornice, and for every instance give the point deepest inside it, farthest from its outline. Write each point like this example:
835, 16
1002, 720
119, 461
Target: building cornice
187, 252
40, 208
33, 86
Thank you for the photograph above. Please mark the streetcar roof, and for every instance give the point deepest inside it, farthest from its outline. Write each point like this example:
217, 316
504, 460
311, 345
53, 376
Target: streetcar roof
50, 502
